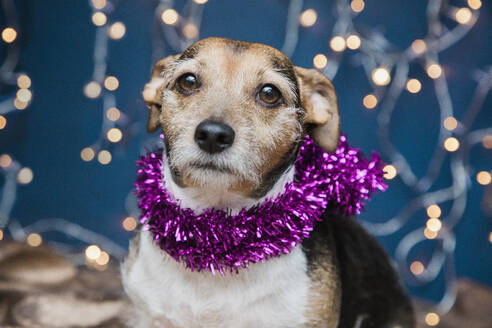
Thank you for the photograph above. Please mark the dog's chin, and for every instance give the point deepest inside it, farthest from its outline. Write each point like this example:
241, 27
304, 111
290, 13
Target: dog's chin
211, 176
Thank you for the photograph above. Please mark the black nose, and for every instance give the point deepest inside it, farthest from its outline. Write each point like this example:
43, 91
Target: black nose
214, 137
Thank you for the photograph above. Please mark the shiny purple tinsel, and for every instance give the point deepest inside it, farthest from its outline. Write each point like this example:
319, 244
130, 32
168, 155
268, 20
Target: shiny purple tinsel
217, 240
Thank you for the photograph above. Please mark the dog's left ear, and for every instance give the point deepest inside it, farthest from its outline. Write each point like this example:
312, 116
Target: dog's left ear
319, 100
152, 92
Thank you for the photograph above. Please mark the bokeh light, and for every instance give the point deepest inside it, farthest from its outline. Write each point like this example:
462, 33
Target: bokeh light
308, 17
370, 101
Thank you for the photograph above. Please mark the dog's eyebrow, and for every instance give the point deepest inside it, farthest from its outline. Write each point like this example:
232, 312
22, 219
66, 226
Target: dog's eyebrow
286, 69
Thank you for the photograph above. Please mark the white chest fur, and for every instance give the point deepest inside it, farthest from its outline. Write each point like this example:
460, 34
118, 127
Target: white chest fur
166, 294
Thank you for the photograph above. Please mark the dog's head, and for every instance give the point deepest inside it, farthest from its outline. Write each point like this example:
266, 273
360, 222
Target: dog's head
234, 114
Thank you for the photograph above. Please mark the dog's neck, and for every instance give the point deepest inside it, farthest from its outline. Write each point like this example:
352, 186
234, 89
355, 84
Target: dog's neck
200, 199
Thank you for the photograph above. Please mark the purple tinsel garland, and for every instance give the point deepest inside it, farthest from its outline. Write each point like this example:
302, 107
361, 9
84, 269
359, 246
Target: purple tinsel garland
215, 240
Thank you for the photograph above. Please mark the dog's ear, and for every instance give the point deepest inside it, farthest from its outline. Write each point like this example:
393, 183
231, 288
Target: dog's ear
319, 100
152, 92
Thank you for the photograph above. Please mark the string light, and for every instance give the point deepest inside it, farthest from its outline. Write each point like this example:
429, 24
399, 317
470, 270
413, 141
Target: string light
34, 240
3, 122
201, 2
114, 135
308, 17
475, 4
337, 43
170, 16
20, 105
99, 18
25, 175
99, 4
129, 223
390, 172
381, 76
92, 252
490, 237
484, 178
104, 157
487, 142
463, 15
417, 268
190, 31
1, 234
111, 83
450, 123
434, 71
357, 6
419, 46
432, 319
429, 234
413, 85
370, 101
23, 81
113, 114
103, 258
9, 35
451, 144
92, 90
434, 211
320, 61
87, 154
353, 42
117, 30
5, 160
24, 95
434, 224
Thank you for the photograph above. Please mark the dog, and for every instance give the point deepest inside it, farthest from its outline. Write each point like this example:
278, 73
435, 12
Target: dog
232, 113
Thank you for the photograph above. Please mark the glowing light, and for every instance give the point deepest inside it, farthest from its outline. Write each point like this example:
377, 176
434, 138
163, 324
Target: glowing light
114, 135
99, 4
463, 15
357, 5
170, 16
99, 18
1, 234
353, 42
484, 178
9, 35
201, 2
87, 154
487, 142
24, 95
103, 259
113, 114
92, 90
450, 123
111, 83
429, 234
390, 172
419, 46
23, 81
475, 4
434, 224
432, 319
320, 61
414, 86
434, 211
3, 122
337, 43
5, 160
370, 101
190, 31
451, 144
434, 71
92, 252
34, 240
417, 268
381, 76
104, 157
129, 223
117, 30
25, 175
308, 17
490, 237
20, 105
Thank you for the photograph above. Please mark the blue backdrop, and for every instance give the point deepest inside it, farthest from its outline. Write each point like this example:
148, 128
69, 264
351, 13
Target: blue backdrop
57, 47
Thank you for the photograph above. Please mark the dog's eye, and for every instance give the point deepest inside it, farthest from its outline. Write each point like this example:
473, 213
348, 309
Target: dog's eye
270, 95
187, 83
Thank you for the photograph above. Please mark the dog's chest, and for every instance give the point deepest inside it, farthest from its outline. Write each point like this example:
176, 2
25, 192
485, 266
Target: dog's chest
270, 294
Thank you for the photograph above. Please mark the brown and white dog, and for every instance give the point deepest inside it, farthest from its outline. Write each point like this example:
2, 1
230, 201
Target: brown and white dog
232, 113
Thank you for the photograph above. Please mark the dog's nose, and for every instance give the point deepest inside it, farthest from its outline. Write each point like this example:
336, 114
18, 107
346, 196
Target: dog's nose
214, 137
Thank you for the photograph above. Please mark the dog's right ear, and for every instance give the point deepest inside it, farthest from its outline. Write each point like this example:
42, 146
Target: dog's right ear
152, 92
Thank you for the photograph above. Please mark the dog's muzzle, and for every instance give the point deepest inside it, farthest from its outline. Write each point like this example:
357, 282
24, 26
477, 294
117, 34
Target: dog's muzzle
214, 137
